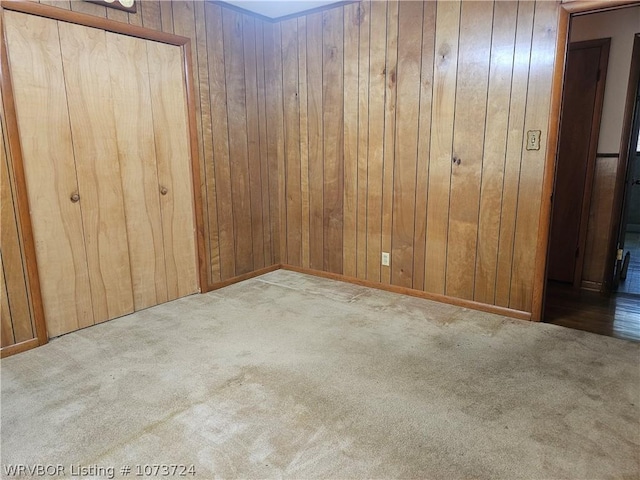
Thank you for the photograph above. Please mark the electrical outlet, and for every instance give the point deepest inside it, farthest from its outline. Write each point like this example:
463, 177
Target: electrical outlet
533, 139
385, 259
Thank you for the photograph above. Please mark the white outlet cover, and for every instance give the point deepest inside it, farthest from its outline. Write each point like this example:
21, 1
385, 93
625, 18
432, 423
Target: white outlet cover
385, 259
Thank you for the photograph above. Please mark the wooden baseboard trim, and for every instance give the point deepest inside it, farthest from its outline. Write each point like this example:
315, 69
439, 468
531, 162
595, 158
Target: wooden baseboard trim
507, 312
240, 278
19, 347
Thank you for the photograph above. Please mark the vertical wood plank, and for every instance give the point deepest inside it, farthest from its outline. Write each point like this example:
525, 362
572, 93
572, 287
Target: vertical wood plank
151, 14
496, 130
530, 186
377, 80
129, 76
6, 327
596, 248
424, 143
136, 18
66, 4
166, 16
316, 144
253, 139
118, 15
238, 150
219, 125
81, 6
468, 143
40, 97
275, 152
364, 20
389, 133
333, 121
264, 160
173, 156
410, 18
304, 137
184, 21
293, 213
350, 147
443, 115
17, 326
515, 139
96, 157
207, 176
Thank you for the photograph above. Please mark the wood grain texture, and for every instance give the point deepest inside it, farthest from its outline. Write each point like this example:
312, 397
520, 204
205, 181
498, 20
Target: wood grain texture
6, 325
440, 164
364, 21
89, 8
263, 127
375, 144
238, 149
17, 317
304, 138
218, 102
290, 71
151, 14
515, 147
533, 161
435, 81
253, 140
135, 136
497, 192
350, 138
391, 82
596, 251
333, 121
406, 143
494, 154
424, 144
316, 144
275, 138
40, 98
169, 108
468, 145
97, 167
190, 19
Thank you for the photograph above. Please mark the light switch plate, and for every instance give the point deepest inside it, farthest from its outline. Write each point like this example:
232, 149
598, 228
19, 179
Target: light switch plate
385, 259
533, 139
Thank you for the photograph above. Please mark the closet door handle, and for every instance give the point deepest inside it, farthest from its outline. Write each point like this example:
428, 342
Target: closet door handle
164, 190
75, 198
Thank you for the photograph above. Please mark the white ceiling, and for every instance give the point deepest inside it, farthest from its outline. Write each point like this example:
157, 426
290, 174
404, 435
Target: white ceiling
278, 8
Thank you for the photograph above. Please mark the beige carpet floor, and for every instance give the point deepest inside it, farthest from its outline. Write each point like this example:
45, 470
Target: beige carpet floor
292, 376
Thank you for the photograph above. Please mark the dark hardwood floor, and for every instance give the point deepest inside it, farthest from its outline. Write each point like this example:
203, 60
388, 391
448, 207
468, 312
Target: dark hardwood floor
632, 282
617, 315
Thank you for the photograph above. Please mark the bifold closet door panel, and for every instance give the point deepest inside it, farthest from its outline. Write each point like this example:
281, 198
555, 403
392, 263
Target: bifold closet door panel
90, 100
129, 74
45, 135
169, 107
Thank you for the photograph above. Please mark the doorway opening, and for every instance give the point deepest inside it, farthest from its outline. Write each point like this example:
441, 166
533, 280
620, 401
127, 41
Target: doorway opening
592, 284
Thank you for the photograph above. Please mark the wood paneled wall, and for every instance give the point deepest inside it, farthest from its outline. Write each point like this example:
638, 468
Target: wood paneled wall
228, 49
16, 315
330, 138
403, 130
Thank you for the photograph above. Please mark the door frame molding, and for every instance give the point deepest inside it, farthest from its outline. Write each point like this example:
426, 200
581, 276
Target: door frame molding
566, 9
54, 13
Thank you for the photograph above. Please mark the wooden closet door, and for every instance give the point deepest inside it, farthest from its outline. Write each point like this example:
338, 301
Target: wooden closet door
90, 101
169, 109
45, 134
129, 76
